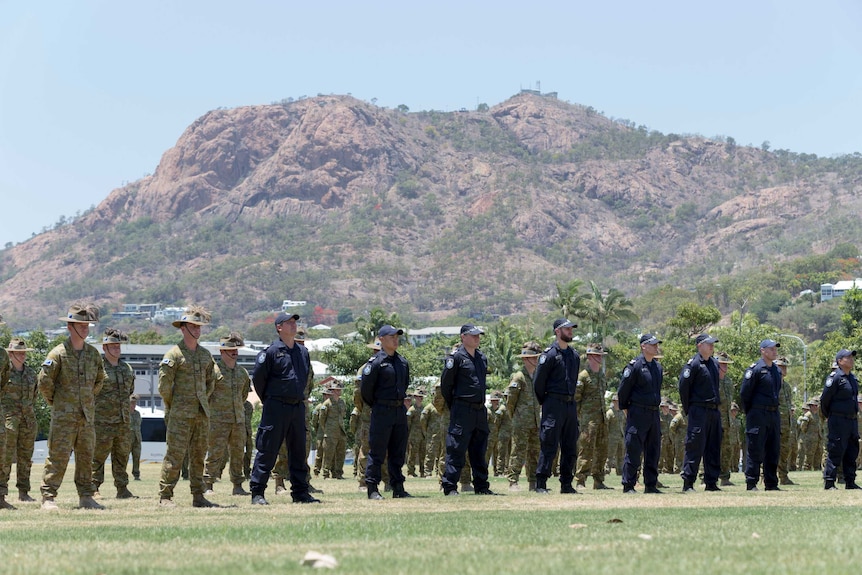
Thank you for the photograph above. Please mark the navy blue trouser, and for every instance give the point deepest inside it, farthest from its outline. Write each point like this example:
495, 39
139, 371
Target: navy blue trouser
702, 441
280, 422
387, 435
558, 429
468, 434
763, 437
842, 448
642, 439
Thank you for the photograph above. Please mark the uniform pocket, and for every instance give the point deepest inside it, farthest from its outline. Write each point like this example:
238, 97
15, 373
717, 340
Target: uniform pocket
262, 434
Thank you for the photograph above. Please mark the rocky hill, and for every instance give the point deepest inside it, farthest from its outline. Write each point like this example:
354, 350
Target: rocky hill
342, 203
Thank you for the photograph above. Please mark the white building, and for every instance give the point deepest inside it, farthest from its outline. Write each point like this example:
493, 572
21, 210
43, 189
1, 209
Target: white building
829, 291
422, 335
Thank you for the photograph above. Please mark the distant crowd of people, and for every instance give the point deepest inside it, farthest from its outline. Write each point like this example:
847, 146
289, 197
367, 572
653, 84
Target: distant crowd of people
552, 419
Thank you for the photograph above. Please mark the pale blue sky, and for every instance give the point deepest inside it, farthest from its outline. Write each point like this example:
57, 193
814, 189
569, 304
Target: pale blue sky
93, 92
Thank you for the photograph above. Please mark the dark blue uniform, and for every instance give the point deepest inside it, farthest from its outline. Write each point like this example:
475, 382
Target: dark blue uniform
554, 383
463, 387
384, 387
838, 404
699, 394
640, 394
759, 398
280, 375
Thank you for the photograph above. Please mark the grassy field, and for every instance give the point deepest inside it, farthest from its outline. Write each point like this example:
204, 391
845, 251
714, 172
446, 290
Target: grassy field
800, 529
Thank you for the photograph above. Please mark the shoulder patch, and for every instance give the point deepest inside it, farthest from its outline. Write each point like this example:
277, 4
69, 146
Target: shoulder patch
167, 361
748, 373
261, 357
686, 372
543, 358
627, 372
48, 363
828, 382
450, 363
367, 369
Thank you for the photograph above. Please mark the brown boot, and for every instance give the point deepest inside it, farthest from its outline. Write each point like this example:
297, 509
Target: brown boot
280, 489
513, 486
48, 503
238, 490
599, 484
532, 485
124, 493
5, 504
163, 502
87, 502
198, 500
208, 489
24, 497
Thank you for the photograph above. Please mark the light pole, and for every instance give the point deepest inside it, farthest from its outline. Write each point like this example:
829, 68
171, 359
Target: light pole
804, 363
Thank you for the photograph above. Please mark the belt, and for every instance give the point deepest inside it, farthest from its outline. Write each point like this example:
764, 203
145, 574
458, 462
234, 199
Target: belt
286, 400
645, 406
705, 404
765, 407
388, 402
844, 415
562, 397
471, 404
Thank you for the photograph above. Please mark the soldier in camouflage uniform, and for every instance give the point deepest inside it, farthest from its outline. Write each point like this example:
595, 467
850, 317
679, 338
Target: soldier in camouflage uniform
17, 397
590, 399
331, 427
416, 436
493, 426
810, 434
430, 422
112, 415
525, 412
726, 393
69, 380
667, 455
504, 438
227, 416
678, 426
736, 432
135, 438
785, 402
616, 436
317, 432
187, 378
248, 450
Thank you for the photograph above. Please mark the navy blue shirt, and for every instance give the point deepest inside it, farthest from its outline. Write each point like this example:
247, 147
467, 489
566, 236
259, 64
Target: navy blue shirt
839, 394
384, 378
760, 386
698, 382
282, 372
464, 376
556, 372
641, 383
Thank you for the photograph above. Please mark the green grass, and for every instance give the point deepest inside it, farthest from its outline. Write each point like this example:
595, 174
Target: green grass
799, 529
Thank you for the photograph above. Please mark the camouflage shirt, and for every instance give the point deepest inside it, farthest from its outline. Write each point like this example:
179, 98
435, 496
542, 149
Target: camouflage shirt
227, 402
590, 396
69, 380
331, 418
523, 405
112, 401
19, 392
186, 380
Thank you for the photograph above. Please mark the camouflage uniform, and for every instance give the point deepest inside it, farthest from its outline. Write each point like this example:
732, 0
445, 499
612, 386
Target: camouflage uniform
187, 378
593, 442
809, 438
504, 441
227, 435
333, 438
667, 457
787, 422
616, 437
317, 435
136, 440
17, 397
112, 424
69, 381
430, 422
729, 463
524, 409
493, 428
677, 432
415, 441
736, 431
248, 450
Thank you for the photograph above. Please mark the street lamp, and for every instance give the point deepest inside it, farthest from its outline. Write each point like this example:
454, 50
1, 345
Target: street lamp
804, 363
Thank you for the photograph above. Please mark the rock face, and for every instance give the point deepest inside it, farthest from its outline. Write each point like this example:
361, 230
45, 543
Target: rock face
339, 202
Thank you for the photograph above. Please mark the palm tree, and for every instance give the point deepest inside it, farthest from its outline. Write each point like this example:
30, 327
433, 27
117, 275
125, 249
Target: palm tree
603, 312
377, 318
569, 299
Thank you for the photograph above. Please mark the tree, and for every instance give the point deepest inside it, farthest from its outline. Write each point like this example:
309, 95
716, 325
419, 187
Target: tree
851, 308
603, 313
692, 319
149, 337
377, 318
483, 107
501, 345
403, 108
569, 299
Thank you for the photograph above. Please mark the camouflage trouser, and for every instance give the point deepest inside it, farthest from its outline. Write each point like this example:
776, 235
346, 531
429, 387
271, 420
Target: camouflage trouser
69, 433
616, 454
592, 450
248, 450
433, 447
334, 451
491, 450
678, 452
416, 455
136, 454
357, 447
318, 457
185, 436
729, 457
502, 455
794, 449
4, 488
805, 457
114, 439
20, 437
784, 456
667, 459
226, 440
525, 453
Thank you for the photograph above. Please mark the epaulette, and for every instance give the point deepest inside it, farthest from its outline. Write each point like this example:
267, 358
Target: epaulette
752, 365
689, 361
632, 362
